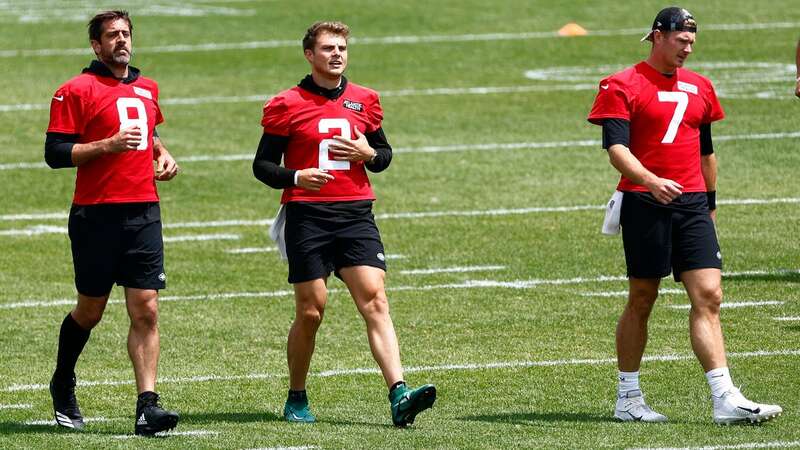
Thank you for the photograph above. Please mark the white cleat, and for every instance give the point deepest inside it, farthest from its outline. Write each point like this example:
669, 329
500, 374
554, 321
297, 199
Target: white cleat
733, 407
632, 408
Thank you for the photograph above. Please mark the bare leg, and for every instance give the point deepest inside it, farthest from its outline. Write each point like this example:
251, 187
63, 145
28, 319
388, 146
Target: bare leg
366, 285
704, 287
310, 299
632, 325
143, 338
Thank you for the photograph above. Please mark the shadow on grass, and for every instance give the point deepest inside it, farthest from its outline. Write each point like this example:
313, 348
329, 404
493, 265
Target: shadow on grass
781, 275
350, 423
231, 417
531, 418
10, 428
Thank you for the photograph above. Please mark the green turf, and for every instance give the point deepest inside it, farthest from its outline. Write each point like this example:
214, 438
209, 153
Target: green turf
441, 323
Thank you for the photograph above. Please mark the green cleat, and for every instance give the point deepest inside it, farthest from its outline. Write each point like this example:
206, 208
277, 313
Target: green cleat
407, 403
297, 411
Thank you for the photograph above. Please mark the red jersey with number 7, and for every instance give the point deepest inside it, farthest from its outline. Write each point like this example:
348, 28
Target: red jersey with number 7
665, 114
310, 121
97, 107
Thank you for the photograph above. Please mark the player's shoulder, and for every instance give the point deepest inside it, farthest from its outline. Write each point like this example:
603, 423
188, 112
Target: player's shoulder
145, 82
284, 99
79, 84
362, 92
692, 76
625, 80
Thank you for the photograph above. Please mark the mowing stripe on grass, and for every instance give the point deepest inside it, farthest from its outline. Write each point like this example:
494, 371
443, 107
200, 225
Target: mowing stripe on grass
468, 284
431, 368
773, 444
736, 304
451, 270
382, 40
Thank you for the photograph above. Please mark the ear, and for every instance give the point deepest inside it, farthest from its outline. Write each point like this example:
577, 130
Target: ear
309, 54
95, 46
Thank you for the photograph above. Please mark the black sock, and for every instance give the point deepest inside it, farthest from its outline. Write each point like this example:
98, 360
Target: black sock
71, 340
397, 385
297, 396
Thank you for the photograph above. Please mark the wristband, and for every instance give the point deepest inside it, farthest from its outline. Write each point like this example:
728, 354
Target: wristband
296, 174
712, 200
374, 155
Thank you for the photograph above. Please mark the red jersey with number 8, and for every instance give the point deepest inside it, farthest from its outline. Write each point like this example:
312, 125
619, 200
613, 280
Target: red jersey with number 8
665, 114
310, 121
97, 107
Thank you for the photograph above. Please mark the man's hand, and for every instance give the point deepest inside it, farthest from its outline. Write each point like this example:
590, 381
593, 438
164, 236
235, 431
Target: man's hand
313, 179
714, 215
127, 139
166, 167
664, 190
357, 149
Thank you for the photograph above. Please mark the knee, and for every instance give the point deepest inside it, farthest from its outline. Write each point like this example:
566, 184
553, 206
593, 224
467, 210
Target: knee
87, 317
375, 305
641, 301
145, 316
709, 299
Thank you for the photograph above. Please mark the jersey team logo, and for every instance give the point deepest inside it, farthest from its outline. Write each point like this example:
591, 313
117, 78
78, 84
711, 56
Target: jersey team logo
355, 106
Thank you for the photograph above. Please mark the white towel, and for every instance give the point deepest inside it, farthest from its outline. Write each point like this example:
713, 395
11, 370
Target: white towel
613, 209
277, 232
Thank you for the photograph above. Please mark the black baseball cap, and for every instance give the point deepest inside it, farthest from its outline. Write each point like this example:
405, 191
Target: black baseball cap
672, 19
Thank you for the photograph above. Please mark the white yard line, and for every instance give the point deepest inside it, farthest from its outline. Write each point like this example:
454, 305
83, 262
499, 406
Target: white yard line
430, 368
385, 40
737, 304
787, 319
494, 146
202, 237
52, 421
749, 445
17, 406
625, 293
247, 250
191, 433
461, 269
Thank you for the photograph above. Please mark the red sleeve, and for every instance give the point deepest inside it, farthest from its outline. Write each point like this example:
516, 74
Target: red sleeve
66, 111
612, 102
276, 117
714, 110
374, 115
159, 116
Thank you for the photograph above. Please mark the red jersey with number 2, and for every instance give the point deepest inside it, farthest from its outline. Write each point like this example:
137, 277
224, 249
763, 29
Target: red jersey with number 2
97, 107
665, 114
311, 121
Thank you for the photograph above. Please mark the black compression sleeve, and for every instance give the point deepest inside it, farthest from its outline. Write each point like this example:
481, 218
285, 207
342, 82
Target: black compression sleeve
58, 149
616, 131
706, 146
383, 157
266, 165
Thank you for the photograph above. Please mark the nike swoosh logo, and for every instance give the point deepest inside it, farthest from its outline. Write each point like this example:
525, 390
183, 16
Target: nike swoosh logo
603, 86
61, 98
753, 411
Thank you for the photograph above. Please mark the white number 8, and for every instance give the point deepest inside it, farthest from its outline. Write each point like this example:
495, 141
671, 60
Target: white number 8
123, 103
325, 126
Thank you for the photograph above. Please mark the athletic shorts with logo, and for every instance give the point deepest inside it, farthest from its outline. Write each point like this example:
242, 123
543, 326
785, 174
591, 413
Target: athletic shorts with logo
323, 237
661, 238
116, 243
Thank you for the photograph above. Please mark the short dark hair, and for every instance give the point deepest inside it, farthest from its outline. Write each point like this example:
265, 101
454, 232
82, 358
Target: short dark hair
337, 28
96, 24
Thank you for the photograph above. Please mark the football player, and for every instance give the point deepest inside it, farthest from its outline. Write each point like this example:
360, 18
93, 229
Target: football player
328, 132
103, 122
656, 118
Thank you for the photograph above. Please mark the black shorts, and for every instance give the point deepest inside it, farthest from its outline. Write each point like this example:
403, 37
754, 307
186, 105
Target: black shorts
324, 237
116, 243
659, 238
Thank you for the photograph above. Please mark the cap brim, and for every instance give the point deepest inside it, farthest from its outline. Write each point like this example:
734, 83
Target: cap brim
647, 37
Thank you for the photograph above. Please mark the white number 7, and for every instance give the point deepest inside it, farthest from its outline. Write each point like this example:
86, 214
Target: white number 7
682, 100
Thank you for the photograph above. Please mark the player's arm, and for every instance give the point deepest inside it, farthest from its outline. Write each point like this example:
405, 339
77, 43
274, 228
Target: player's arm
383, 151
361, 149
63, 150
616, 139
708, 166
267, 168
166, 166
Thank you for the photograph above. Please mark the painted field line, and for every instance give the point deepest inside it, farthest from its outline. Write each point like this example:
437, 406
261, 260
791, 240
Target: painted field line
787, 319
383, 40
191, 433
469, 284
247, 250
53, 421
773, 444
302, 447
429, 368
667, 291
462, 269
17, 406
494, 146
737, 304
202, 237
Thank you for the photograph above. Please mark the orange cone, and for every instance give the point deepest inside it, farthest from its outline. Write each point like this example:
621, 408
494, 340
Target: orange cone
572, 29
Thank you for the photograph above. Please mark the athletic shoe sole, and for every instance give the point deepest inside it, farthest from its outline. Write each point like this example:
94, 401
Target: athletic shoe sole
169, 423
740, 420
425, 400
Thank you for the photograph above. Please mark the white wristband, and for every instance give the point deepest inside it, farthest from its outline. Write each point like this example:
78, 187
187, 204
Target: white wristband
296, 175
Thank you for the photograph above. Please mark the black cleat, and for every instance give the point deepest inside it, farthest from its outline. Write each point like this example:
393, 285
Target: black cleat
151, 417
65, 405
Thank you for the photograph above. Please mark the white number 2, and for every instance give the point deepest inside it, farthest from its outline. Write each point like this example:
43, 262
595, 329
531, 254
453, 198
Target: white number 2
325, 126
123, 103
682, 100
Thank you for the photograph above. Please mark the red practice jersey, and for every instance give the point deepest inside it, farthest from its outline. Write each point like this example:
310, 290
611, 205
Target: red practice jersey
310, 121
96, 107
665, 114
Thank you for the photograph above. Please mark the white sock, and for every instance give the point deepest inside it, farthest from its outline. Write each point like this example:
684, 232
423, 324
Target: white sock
628, 381
719, 380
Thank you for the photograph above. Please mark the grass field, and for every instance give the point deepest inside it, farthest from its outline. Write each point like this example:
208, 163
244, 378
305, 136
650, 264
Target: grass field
503, 291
